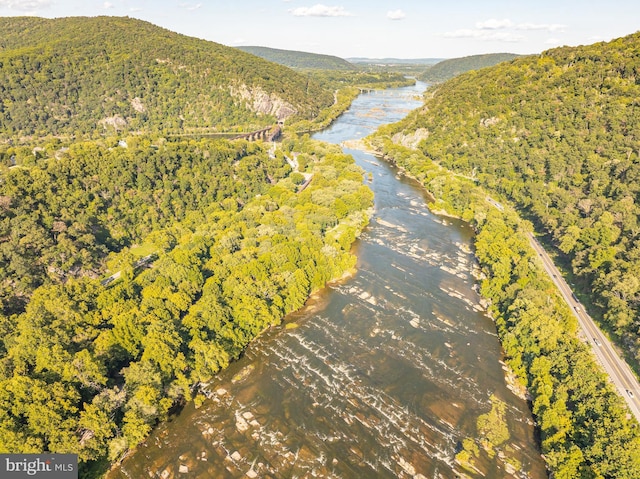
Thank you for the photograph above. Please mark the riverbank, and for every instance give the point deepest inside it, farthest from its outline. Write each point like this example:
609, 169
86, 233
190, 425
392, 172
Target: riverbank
387, 370
535, 328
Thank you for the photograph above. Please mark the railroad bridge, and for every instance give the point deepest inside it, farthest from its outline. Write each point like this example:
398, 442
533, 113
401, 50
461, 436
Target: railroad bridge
270, 133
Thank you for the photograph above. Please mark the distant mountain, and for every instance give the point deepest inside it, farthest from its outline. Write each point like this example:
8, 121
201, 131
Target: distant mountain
395, 61
86, 75
299, 60
446, 69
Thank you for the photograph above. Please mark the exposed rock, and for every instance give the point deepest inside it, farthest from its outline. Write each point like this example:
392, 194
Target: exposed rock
263, 103
137, 105
412, 140
241, 424
116, 122
489, 121
408, 468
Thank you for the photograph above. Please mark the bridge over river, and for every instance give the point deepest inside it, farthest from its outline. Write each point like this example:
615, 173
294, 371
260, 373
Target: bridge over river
269, 133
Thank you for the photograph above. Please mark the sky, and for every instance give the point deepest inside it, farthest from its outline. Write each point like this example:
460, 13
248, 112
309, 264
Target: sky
370, 28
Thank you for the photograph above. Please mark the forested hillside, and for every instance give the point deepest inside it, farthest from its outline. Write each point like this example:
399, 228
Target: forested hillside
558, 135
89, 76
134, 262
61, 217
299, 60
447, 69
90, 366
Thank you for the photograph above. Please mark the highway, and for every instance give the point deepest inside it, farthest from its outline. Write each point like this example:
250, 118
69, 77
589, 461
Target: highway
618, 370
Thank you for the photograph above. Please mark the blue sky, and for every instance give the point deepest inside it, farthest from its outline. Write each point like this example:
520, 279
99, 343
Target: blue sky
371, 28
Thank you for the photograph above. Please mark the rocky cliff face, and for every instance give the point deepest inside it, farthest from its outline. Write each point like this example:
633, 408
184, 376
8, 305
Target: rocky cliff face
261, 102
412, 140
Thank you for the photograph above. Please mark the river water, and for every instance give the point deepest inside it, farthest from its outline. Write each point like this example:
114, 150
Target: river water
384, 374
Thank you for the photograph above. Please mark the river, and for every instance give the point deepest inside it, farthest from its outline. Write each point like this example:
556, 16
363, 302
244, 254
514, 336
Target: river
382, 375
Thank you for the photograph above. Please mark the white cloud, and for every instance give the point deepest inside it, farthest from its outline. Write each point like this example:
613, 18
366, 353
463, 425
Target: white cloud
107, 5
553, 41
190, 6
25, 4
494, 24
504, 30
487, 35
396, 15
320, 10
550, 27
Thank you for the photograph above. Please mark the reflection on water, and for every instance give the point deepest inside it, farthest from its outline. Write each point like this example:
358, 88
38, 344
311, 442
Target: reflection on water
381, 375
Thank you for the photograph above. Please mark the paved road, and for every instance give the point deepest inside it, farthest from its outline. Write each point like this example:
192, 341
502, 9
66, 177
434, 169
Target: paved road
146, 261
613, 364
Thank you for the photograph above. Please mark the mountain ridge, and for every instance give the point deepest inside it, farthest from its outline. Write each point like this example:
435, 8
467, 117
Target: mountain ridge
298, 59
451, 67
87, 75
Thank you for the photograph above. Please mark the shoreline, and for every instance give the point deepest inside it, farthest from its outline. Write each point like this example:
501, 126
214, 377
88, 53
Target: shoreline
365, 147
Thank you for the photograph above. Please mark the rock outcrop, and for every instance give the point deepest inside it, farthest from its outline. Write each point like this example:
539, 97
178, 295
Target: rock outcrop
263, 103
412, 140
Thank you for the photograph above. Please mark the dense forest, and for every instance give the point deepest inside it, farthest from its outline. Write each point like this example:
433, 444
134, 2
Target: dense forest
83, 77
64, 213
447, 69
236, 240
137, 259
299, 60
557, 135
209, 242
